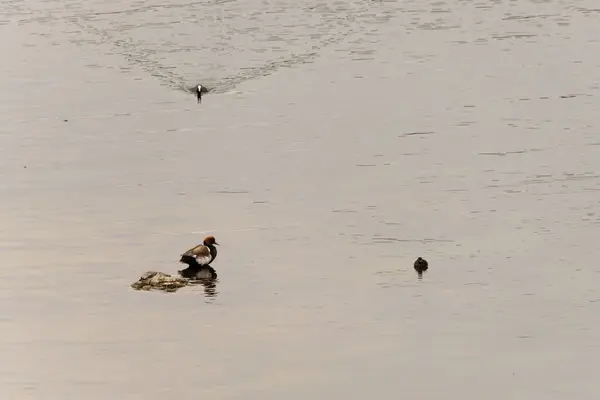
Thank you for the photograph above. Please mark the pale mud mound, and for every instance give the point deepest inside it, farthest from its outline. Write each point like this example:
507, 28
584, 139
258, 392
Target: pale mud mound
153, 280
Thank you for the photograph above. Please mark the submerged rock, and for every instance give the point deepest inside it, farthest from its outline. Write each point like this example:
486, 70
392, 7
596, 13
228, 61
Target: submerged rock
159, 281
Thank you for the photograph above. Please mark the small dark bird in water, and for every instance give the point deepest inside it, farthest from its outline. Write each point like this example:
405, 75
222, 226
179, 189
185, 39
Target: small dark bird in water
199, 90
421, 265
198, 259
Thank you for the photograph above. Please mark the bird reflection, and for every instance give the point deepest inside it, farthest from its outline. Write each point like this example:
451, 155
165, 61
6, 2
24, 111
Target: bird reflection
209, 285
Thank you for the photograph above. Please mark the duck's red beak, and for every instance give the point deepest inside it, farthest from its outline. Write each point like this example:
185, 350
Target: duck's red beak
216, 243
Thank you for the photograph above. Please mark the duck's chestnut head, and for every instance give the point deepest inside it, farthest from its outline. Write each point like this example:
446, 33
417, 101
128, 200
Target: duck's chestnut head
210, 241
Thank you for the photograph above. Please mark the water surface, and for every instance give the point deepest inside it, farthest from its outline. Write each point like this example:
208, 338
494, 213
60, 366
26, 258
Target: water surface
342, 141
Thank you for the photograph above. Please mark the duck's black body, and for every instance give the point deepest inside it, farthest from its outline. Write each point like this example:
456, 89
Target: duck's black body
421, 265
199, 91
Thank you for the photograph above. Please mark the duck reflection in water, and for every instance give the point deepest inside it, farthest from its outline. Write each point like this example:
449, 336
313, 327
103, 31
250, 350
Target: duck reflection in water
209, 285
198, 274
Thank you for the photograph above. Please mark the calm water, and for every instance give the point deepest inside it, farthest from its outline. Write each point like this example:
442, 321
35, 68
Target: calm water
342, 141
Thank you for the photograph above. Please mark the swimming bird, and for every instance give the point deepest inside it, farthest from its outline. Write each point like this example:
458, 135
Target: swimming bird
198, 259
421, 265
199, 90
